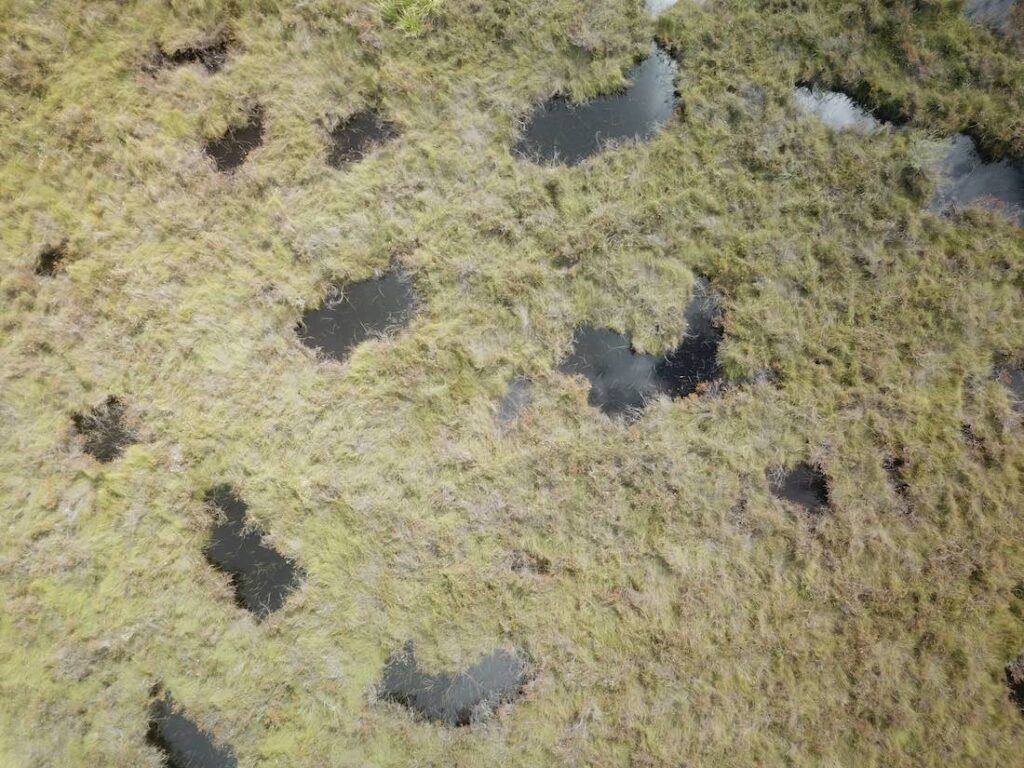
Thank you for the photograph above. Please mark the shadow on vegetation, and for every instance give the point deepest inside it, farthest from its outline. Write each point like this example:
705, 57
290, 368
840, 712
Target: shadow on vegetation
104, 430
1015, 681
455, 699
560, 131
516, 399
262, 578
353, 313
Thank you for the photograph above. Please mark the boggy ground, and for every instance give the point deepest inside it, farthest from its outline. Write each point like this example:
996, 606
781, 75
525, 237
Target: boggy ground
684, 614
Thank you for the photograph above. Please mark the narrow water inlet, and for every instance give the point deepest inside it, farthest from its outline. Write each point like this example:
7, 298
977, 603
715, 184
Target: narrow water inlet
261, 577
455, 698
357, 135
559, 131
836, 110
623, 380
804, 485
231, 150
965, 179
183, 743
104, 430
353, 313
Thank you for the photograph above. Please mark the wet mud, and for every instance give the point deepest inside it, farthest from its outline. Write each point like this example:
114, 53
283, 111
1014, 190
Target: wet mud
104, 430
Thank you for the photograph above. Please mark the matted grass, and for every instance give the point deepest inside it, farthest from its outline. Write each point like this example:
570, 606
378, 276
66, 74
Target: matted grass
674, 610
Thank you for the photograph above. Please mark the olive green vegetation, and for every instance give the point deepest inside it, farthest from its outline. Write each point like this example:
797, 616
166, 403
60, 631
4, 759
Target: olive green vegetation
685, 616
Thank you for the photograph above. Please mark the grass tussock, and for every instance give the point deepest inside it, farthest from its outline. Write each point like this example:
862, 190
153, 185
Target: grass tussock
673, 607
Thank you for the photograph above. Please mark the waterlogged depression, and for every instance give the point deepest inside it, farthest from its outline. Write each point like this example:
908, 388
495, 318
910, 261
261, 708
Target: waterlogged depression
459, 698
622, 380
559, 131
836, 110
356, 312
966, 179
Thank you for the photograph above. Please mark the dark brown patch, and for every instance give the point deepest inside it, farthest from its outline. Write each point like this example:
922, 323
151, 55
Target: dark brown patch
104, 430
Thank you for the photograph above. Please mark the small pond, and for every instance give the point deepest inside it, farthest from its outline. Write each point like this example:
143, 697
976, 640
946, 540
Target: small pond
559, 131
231, 149
356, 136
836, 110
804, 485
184, 745
353, 313
966, 179
622, 380
455, 698
261, 577
1012, 377
104, 430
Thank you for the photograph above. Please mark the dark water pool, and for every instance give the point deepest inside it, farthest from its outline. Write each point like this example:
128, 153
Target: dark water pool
559, 131
231, 149
805, 485
261, 577
836, 110
104, 430
356, 136
354, 313
455, 698
966, 179
184, 745
622, 380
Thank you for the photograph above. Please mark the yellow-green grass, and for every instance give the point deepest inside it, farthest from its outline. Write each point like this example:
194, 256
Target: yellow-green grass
689, 617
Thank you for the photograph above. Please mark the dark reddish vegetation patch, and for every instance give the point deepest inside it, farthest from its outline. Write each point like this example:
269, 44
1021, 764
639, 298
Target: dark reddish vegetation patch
455, 698
805, 485
356, 136
184, 745
50, 259
231, 149
104, 430
261, 577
